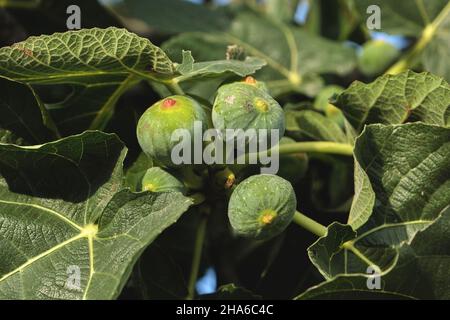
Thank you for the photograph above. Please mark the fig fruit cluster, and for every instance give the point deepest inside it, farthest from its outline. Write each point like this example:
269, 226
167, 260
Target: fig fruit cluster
262, 205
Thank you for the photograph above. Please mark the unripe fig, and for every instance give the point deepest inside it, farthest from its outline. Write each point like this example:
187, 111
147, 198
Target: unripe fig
376, 56
245, 105
158, 180
262, 206
292, 166
158, 123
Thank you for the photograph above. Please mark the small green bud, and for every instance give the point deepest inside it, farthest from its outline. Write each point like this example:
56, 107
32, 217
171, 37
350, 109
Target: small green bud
158, 180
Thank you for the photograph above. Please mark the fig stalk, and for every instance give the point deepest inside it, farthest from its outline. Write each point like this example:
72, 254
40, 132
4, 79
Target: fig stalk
197, 257
174, 87
317, 146
309, 224
327, 147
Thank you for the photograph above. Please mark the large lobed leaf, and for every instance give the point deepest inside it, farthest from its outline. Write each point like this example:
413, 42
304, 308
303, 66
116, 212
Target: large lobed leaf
95, 66
421, 272
406, 190
63, 210
90, 69
89, 56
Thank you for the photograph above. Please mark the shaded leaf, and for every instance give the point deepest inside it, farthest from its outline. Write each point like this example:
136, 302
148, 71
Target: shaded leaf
175, 16
407, 168
64, 212
311, 125
434, 57
23, 114
281, 9
282, 47
53, 15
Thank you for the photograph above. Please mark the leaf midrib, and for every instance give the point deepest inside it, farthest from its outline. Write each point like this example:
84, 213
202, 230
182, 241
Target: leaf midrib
45, 209
42, 255
80, 235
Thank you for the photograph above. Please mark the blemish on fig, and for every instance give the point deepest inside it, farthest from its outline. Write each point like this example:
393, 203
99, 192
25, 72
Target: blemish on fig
230, 99
250, 80
248, 106
169, 102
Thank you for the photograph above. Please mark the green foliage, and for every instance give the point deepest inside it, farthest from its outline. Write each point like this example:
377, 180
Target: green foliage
93, 207
80, 215
281, 47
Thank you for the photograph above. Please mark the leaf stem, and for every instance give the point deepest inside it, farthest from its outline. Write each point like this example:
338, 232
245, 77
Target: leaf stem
410, 57
196, 260
106, 112
309, 224
300, 147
